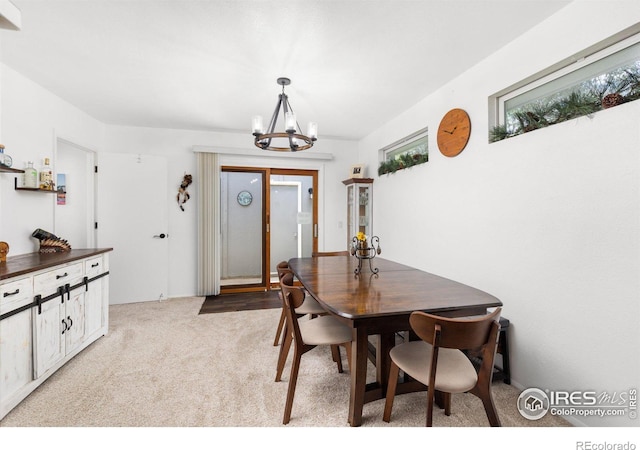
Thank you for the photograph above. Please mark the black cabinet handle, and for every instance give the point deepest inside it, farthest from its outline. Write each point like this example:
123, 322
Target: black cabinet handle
65, 326
95, 265
70, 322
7, 294
62, 276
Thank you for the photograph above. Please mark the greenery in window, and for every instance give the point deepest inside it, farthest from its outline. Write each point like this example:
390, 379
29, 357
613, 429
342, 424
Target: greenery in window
600, 92
414, 153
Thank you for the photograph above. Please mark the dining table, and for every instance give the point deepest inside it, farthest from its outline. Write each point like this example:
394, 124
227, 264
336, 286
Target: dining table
376, 302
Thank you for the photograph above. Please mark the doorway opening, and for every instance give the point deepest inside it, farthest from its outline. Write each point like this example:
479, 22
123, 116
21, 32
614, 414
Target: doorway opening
74, 211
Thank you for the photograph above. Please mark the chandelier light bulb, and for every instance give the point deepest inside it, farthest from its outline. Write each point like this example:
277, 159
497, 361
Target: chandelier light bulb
257, 125
312, 130
290, 122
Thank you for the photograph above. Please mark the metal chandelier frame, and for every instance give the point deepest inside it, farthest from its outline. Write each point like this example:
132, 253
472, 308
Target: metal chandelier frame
296, 140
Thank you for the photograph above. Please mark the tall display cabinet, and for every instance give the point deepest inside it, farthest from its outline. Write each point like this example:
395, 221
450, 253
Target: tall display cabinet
359, 207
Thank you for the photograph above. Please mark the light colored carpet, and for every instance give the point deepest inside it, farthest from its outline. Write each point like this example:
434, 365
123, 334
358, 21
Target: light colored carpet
163, 365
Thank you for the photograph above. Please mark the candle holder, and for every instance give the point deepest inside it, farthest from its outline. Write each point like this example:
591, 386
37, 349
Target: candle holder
361, 249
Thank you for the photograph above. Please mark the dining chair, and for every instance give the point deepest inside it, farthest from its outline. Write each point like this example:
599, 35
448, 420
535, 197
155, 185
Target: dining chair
338, 253
306, 335
438, 362
309, 306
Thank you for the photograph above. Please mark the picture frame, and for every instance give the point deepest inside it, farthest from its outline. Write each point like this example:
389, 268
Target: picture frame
357, 171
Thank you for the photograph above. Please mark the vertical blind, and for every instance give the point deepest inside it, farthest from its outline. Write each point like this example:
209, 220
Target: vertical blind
208, 224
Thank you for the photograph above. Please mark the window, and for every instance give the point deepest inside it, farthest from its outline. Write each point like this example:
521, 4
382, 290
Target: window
407, 152
601, 80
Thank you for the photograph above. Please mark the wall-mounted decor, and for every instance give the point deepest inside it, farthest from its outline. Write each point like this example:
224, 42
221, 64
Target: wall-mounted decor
61, 190
183, 194
454, 132
245, 198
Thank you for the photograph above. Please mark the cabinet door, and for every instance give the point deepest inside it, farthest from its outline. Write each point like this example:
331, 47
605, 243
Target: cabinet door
49, 342
15, 354
74, 320
93, 302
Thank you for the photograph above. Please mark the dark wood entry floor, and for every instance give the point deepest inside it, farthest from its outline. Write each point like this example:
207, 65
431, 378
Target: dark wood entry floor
241, 302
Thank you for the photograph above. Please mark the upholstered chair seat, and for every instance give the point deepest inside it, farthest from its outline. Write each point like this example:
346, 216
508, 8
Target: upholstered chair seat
456, 374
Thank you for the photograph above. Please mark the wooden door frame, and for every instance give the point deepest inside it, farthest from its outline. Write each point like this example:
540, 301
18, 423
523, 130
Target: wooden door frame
266, 221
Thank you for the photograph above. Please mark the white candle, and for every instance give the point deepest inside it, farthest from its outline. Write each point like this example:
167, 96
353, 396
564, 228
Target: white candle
313, 130
290, 122
257, 125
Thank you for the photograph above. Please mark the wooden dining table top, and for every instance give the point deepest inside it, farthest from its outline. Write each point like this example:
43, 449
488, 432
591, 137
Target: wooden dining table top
380, 304
396, 289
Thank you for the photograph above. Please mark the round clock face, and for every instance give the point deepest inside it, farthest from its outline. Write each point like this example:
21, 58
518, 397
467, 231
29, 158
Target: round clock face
454, 132
245, 198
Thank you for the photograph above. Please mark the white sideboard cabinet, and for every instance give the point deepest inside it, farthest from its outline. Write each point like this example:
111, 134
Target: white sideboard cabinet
52, 306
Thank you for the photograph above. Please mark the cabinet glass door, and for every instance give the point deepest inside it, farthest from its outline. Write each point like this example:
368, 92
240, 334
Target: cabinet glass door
359, 202
364, 209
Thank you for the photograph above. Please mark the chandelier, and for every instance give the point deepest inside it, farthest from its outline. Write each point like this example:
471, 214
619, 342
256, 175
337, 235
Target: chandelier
292, 137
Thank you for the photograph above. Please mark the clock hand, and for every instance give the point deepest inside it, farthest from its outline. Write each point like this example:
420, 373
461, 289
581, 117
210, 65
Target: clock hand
451, 132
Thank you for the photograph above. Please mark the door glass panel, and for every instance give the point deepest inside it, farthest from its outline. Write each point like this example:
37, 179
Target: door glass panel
291, 218
241, 203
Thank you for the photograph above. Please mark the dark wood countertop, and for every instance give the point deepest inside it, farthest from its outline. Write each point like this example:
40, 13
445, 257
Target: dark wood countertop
32, 262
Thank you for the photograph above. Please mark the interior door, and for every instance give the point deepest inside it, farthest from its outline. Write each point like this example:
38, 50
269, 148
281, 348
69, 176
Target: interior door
132, 216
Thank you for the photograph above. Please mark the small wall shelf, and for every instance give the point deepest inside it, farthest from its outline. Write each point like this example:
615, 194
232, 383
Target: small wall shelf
15, 185
10, 170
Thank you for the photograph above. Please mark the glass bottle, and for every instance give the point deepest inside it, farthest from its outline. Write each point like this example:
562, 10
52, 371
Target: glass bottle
30, 176
5, 160
46, 176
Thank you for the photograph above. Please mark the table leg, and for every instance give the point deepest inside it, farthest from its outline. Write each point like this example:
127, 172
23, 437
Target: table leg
386, 341
359, 356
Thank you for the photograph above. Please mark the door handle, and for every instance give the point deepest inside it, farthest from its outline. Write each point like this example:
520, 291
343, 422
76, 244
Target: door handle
160, 236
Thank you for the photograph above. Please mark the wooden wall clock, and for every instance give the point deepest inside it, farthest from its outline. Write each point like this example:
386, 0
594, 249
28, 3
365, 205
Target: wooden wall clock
454, 132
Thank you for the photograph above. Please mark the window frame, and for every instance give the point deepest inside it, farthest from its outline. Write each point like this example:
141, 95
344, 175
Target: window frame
620, 41
405, 146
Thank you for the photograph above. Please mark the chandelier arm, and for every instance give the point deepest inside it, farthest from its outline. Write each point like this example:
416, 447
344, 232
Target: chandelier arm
274, 120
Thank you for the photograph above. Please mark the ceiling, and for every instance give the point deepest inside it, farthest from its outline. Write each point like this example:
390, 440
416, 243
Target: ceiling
212, 65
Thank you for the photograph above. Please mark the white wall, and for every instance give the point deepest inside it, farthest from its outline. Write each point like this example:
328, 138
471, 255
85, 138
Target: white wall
31, 118
547, 221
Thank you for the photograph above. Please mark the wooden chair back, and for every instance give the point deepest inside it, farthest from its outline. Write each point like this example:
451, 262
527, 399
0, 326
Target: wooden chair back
340, 253
282, 268
292, 298
458, 333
